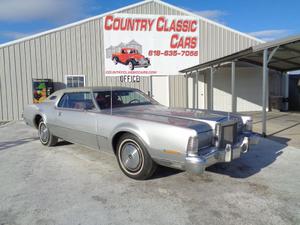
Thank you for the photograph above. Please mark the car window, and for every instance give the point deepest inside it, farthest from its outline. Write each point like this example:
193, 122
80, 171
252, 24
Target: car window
122, 98
78, 100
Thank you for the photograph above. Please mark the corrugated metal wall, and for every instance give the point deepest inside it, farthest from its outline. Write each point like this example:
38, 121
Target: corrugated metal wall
79, 50
72, 51
215, 42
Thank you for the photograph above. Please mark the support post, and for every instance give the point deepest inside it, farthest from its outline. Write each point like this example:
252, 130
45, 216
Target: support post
187, 90
264, 93
286, 92
197, 90
233, 88
211, 105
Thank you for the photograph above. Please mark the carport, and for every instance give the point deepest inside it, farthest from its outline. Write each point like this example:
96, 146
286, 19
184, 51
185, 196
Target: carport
281, 55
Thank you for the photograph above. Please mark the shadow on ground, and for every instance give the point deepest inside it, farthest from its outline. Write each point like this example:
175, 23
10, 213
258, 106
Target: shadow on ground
10, 144
162, 172
279, 139
63, 143
259, 157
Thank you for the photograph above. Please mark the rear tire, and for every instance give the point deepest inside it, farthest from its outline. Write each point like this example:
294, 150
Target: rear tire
133, 158
115, 60
46, 138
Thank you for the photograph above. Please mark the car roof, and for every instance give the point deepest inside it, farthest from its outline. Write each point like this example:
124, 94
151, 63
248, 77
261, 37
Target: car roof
129, 48
95, 89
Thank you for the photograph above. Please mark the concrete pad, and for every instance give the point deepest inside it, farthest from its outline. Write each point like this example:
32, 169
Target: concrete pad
70, 184
281, 126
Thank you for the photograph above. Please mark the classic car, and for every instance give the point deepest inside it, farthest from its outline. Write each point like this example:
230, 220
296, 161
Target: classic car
130, 57
139, 131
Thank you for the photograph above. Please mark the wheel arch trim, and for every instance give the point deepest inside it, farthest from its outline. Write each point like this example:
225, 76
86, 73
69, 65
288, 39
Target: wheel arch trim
127, 128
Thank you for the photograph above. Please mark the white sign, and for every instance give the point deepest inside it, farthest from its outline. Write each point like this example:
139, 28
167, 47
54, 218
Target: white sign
149, 44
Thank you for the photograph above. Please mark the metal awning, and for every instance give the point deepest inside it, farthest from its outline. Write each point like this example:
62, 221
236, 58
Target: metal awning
282, 55
286, 56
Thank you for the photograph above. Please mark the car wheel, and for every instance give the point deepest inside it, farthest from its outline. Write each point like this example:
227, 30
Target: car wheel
115, 60
131, 65
46, 138
133, 158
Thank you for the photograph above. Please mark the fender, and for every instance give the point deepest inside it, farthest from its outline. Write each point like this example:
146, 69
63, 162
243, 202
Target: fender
133, 129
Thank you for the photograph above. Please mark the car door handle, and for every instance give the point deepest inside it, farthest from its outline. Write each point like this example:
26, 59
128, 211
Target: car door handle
59, 113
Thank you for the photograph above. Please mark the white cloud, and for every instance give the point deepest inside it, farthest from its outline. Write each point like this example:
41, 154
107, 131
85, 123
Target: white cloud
52, 10
211, 14
13, 35
215, 14
270, 35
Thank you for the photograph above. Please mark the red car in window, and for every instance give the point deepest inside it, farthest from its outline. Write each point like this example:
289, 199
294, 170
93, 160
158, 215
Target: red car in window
131, 57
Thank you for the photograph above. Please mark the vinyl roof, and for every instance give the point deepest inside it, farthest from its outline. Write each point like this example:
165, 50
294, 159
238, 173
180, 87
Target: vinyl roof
100, 88
286, 58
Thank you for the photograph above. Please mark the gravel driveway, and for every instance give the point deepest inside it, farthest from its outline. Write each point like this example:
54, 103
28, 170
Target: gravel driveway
70, 184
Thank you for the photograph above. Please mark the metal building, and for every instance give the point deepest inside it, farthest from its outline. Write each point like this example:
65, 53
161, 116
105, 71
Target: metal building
76, 51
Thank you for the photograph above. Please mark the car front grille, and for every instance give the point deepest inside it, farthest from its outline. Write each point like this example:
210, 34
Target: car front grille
227, 133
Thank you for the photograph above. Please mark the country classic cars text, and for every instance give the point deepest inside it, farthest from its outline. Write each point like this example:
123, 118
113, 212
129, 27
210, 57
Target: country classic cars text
159, 24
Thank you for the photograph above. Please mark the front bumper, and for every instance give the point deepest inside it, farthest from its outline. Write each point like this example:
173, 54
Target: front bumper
197, 164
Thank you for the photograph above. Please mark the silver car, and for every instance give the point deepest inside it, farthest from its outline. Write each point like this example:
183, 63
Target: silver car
139, 131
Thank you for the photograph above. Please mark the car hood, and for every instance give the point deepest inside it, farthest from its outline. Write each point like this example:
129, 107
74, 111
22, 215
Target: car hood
138, 57
200, 120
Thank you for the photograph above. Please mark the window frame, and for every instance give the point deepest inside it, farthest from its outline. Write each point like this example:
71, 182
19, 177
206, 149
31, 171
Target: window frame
74, 75
96, 108
152, 101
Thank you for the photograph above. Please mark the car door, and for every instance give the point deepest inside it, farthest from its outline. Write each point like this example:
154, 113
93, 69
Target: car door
76, 119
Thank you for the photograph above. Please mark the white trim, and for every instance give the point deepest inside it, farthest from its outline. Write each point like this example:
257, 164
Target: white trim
74, 75
122, 9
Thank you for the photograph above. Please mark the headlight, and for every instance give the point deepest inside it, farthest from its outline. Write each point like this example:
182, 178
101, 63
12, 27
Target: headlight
248, 125
192, 147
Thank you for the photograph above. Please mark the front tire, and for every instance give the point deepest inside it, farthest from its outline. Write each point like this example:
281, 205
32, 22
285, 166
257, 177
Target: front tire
46, 138
133, 158
131, 65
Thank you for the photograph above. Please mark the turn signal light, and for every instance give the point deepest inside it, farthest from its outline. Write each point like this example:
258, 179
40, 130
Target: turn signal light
192, 147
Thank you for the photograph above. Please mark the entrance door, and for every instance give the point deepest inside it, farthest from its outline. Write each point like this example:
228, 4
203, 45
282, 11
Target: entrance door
160, 89
201, 92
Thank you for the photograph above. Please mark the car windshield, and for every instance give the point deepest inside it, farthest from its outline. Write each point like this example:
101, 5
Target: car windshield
122, 98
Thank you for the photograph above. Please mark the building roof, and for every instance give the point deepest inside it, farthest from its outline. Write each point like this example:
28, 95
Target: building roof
126, 8
285, 56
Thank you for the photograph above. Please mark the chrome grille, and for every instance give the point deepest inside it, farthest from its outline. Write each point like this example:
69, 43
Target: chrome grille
205, 139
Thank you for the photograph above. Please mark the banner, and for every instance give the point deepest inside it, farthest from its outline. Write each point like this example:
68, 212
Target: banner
147, 45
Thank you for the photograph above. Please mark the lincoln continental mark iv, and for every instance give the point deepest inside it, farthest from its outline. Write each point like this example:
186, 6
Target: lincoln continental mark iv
139, 131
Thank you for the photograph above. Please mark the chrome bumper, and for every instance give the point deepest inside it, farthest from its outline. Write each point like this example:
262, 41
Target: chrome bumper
142, 64
197, 164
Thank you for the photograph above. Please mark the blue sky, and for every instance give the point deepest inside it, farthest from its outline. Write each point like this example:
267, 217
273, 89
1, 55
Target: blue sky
265, 19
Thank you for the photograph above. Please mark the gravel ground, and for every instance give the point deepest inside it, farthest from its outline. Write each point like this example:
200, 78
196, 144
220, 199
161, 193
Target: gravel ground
70, 184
